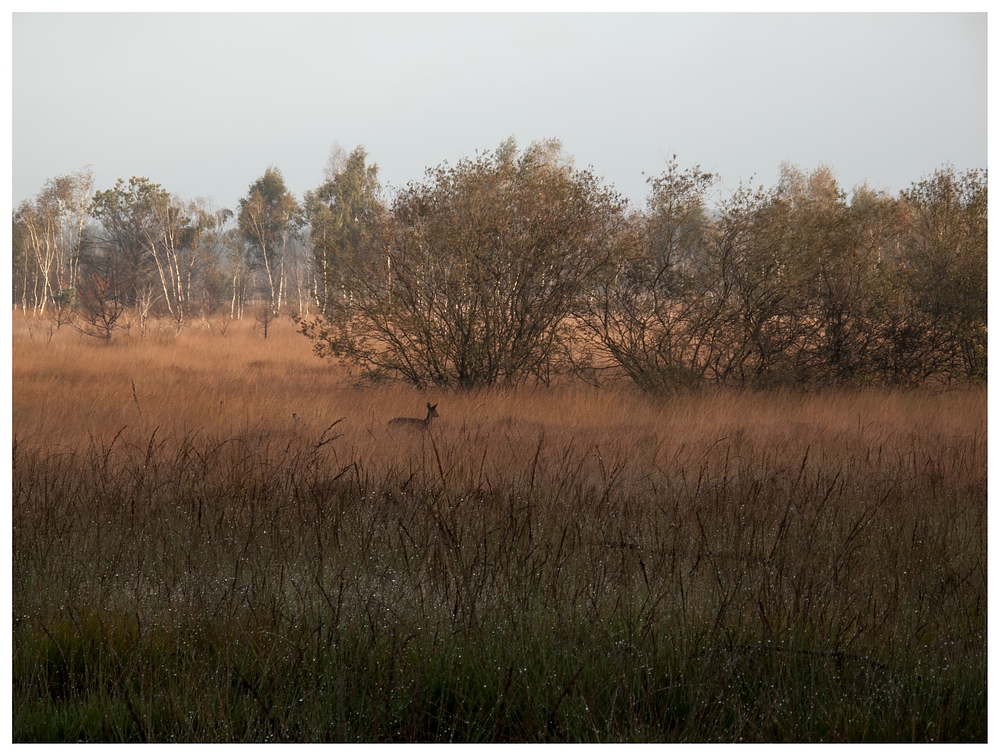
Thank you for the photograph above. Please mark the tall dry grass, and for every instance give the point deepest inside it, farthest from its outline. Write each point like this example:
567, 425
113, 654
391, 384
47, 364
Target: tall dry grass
216, 537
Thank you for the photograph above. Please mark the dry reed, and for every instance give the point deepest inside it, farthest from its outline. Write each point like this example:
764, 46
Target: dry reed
216, 537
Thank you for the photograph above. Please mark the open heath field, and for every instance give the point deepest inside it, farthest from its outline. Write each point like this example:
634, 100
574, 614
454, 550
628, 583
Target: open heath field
218, 538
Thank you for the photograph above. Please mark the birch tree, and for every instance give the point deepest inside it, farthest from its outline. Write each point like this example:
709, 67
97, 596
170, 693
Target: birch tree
268, 216
51, 236
342, 213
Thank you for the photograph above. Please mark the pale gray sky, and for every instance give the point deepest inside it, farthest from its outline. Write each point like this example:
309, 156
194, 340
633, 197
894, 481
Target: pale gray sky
203, 103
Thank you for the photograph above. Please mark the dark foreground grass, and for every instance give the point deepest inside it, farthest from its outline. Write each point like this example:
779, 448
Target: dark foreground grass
494, 583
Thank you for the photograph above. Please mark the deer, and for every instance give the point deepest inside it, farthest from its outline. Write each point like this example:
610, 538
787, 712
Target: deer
414, 424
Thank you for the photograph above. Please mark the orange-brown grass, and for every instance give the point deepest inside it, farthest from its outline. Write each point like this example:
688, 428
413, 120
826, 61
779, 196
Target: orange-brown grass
217, 537
71, 389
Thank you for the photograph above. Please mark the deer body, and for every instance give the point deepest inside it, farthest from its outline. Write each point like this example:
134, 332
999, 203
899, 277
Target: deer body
412, 423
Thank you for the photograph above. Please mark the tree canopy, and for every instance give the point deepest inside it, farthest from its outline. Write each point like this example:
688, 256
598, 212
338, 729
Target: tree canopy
480, 266
514, 265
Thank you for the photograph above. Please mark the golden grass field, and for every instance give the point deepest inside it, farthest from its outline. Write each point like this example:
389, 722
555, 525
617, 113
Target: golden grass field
733, 547
71, 389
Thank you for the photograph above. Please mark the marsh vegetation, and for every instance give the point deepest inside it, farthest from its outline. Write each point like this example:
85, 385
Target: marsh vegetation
216, 538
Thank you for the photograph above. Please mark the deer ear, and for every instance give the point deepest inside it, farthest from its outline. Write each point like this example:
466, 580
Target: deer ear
429, 406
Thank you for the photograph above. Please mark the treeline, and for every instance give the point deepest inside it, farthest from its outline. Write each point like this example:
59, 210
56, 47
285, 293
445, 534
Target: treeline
515, 266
